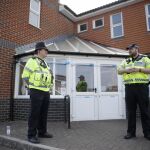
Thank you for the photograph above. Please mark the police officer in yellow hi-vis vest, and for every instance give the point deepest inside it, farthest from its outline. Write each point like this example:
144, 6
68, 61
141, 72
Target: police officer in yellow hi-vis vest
81, 85
135, 71
39, 78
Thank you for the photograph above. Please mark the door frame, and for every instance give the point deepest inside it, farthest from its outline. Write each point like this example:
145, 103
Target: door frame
97, 78
100, 94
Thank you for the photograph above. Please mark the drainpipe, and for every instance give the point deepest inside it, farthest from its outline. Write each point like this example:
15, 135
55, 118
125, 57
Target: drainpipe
11, 114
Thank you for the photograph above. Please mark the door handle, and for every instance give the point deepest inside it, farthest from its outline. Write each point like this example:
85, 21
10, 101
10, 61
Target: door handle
95, 90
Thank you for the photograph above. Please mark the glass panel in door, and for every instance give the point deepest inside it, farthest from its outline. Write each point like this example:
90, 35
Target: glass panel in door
84, 78
109, 80
109, 96
60, 77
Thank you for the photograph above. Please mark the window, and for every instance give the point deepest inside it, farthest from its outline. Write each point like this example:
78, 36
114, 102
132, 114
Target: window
84, 78
82, 27
22, 90
147, 11
58, 66
34, 14
109, 80
60, 77
98, 23
116, 25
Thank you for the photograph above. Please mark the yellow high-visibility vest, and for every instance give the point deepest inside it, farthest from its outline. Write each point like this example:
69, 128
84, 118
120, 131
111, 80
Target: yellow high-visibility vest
135, 77
37, 73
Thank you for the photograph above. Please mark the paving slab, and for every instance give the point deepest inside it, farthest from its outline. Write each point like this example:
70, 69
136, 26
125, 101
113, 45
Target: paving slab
83, 135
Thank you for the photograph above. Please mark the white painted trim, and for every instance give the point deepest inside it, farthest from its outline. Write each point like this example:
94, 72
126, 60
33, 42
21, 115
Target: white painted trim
16, 80
72, 61
68, 14
78, 27
147, 16
116, 25
35, 12
93, 23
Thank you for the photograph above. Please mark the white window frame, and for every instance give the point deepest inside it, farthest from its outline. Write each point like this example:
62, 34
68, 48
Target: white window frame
119, 24
78, 27
17, 78
94, 25
35, 12
147, 17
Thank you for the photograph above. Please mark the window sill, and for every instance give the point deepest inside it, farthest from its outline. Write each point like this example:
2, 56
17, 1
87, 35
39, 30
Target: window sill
28, 97
35, 27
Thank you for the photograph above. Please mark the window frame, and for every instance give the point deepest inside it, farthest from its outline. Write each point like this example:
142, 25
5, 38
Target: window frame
35, 12
147, 17
116, 25
18, 76
94, 24
78, 27
87, 64
17, 81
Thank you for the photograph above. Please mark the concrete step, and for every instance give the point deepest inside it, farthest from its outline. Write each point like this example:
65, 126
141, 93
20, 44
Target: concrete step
18, 144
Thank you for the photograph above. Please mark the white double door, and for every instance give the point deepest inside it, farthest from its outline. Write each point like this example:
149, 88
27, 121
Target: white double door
103, 96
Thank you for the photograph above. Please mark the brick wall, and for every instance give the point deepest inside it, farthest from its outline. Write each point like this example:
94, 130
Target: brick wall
55, 113
4, 109
135, 30
15, 31
6, 63
15, 18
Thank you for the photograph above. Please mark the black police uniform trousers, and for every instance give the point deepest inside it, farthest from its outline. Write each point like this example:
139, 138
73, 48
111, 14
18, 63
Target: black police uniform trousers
137, 94
37, 122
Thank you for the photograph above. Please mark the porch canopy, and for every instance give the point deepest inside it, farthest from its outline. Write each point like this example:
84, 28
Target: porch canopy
72, 45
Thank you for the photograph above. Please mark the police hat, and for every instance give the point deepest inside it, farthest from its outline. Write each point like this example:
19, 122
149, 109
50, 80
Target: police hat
132, 46
81, 76
40, 45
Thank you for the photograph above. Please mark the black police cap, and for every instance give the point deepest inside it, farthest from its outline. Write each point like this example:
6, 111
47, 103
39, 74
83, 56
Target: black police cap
40, 45
132, 46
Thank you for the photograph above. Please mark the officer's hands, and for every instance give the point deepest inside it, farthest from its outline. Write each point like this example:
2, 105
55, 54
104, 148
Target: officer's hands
131, 70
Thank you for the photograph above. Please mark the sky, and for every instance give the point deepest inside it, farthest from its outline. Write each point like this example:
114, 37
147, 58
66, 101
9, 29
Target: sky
79, 6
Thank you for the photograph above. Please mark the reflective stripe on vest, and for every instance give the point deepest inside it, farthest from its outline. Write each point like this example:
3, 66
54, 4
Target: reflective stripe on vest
39, 77
136, 77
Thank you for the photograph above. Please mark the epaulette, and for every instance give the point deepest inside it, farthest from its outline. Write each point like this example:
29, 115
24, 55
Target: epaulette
140, 57
33, 57
128, 60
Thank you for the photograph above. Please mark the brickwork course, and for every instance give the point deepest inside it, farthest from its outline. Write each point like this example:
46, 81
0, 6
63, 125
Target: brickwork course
56, 110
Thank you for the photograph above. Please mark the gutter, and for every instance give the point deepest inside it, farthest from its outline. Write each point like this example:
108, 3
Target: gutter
73, 53
65, 10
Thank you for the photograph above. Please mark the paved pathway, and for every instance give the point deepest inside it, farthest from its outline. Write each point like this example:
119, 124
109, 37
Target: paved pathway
4, 148
86, 135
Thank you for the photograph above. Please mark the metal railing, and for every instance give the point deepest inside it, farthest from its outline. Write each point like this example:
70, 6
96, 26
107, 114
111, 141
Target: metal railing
67, 110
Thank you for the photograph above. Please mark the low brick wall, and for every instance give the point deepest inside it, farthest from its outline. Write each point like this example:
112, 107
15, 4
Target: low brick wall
4, 110
55, 112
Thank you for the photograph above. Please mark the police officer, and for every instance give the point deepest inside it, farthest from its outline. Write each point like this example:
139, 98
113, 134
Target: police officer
82, 85
135, 71
38, 78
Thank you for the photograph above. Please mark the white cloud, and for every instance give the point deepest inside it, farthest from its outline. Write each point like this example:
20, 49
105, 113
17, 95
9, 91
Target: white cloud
79, 6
